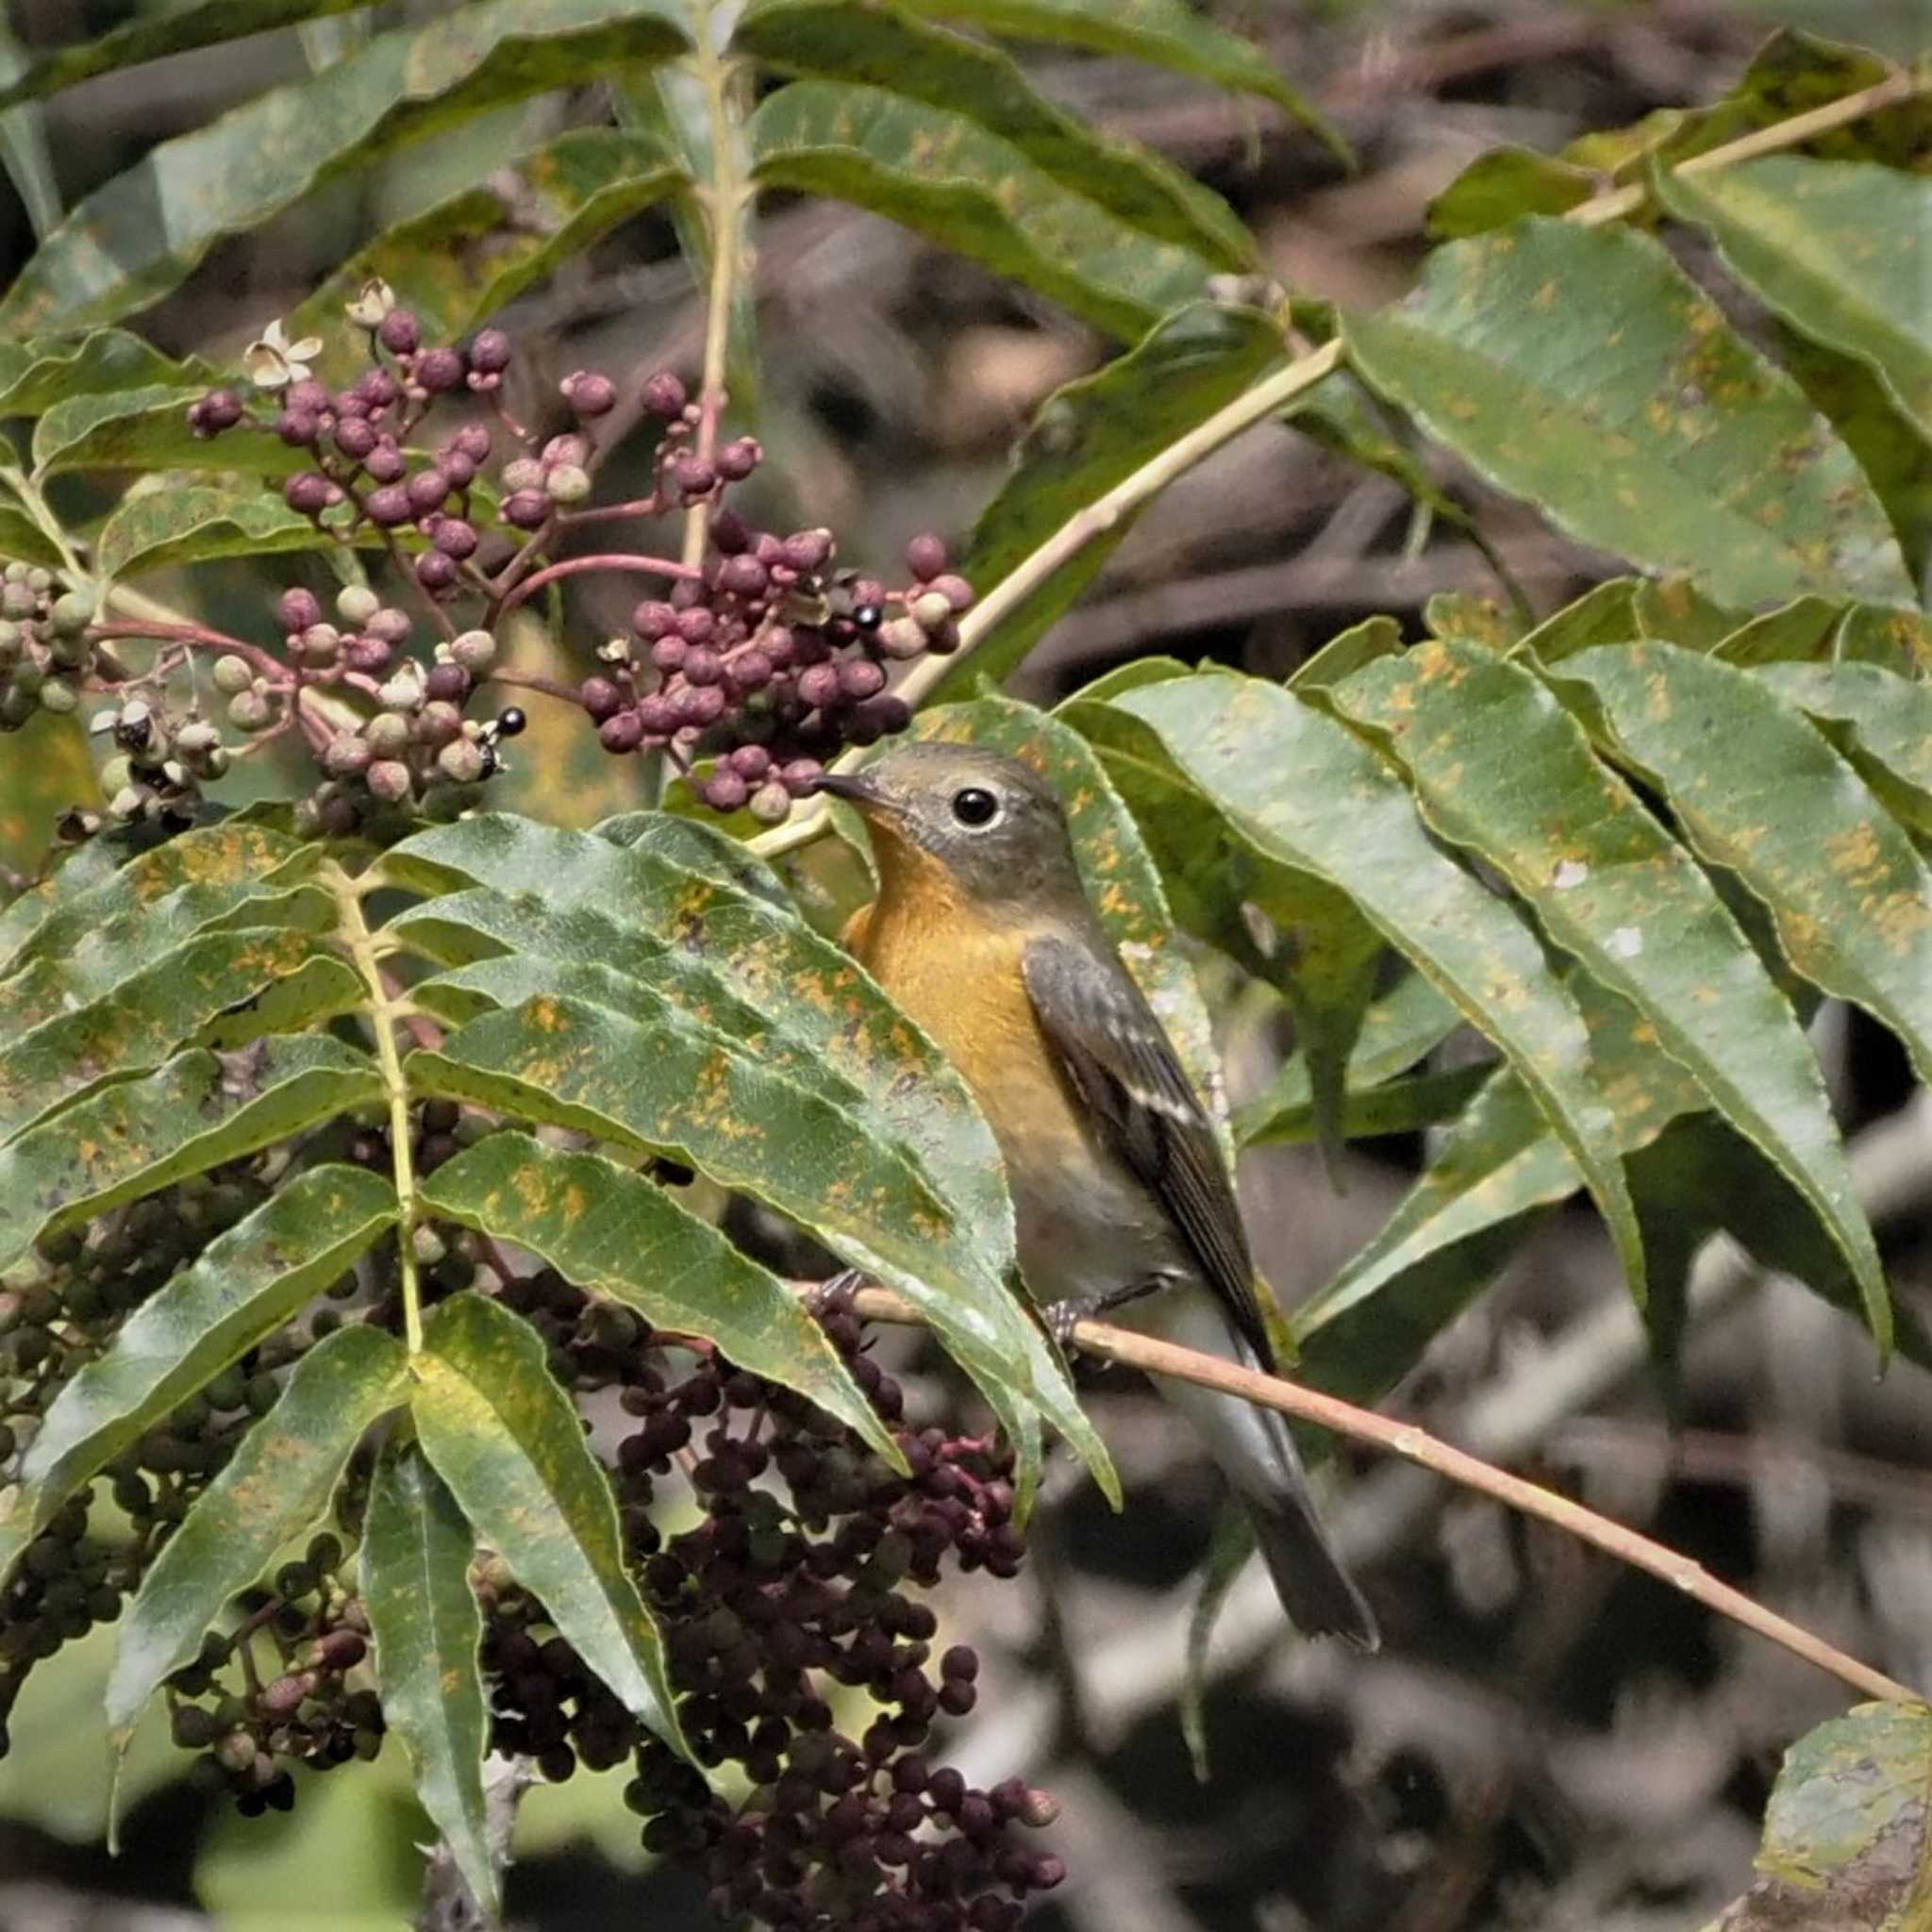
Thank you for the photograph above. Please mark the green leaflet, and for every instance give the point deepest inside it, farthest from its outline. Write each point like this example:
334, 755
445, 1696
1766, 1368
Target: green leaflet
1880, 721
1851, 898
1579, 368
1501, 768
1843, 250
200, 1110
1303, 788
277, 1483
614, 1233
508, 1443
426, 1630
245, 1283
144, 232
244, 983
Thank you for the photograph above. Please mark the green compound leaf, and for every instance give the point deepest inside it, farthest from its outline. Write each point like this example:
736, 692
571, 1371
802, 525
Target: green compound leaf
613, 1233
1086, 438
1605, 614
1851, 897
77, 870
509, 1441
1505, 183
277, 1483
1499, 767
143, 233
1880, 721
1846, 1839
470, 255
952, 179
426, 1630
1163, 33
247, 1282
952, 74
701, 923
1843, 250
241, 983
1581, 369
200, 1110
1300, 786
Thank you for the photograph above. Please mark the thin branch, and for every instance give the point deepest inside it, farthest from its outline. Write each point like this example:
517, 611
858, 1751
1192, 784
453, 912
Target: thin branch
574, 566
1405, 1439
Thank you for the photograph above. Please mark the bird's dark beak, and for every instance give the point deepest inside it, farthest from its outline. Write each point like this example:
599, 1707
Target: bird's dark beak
852, 787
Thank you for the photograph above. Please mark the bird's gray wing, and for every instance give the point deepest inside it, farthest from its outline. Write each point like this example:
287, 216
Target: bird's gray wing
1124, 1067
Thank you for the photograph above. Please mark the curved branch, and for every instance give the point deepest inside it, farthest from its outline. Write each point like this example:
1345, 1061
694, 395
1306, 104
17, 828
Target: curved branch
1415, 1445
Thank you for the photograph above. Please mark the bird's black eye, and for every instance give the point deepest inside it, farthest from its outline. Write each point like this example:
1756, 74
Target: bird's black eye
975, 806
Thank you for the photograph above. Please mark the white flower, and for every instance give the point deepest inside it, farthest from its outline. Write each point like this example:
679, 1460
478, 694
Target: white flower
273, 362
375, 301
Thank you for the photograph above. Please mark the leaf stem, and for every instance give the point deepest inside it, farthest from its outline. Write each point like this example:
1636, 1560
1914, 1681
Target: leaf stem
1779, 136
1110, 1344
385, 1011
37, 507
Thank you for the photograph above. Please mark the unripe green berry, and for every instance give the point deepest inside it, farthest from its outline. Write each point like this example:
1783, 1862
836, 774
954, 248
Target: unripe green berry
249, 710
72, 613
232, 676
59, 698
771, 804
357, 604
461, 762
931, 608
387, 735
568, 483
475, 651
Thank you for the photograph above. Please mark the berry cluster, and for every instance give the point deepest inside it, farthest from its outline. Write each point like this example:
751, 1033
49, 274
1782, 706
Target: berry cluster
771, 1614
45, 652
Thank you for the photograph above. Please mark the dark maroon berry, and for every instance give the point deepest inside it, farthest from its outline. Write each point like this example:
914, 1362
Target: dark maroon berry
356, 437
737, 461
590, 395
389, 506
748, 671
307, 492
460, 471
526, 510
600, 698
399, 332
309, 397
658, 716
427, 489
703, 667
298, 429
455, 538
438, 370
221, 408
490, 353
386, 463
664, 396
696, 625
652, 619
751, 761
377, 387
436, 573
808, 551
668, 654
446, 684
695, 476
743, 577
623, 732
473, 439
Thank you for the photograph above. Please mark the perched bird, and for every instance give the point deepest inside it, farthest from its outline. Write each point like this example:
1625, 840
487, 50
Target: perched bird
982, 931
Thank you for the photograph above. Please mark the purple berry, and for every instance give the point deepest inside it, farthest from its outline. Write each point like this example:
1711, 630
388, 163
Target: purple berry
590, 395
388, 506
925, 557
296, 610
490, 353
428, 489
438, 370
600, 698
400, 332
525, 510
455, 538
307, 492
664, 396
623, 732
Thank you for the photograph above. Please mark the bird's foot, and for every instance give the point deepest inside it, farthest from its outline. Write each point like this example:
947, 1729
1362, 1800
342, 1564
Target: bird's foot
1063, 1317
833, 1296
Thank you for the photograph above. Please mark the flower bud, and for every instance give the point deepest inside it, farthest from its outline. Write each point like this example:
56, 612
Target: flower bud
589, 394
490, 354
475, 651
357, 604
438, 370
664, 396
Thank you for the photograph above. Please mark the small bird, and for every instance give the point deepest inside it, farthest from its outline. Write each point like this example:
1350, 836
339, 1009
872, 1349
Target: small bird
983, 932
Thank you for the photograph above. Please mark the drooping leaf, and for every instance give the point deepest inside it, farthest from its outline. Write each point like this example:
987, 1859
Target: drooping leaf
146, 429
159, 529
246, 1282
38, 373
1851, 898
115, 924
1300, 786
614, 1233
23, 540
199, 24
277, 1483
1580, 368
136, 1027
893, 52
951, 178
471, 254
1164, 33
1087, 437
200, 1110
1786, 635
426, 1630
1846, 1837
1676, 611
1893, 639
1840, 249
1502, 769
1507, 182
1880, 721
143, 233
507, 1438
1411, 1019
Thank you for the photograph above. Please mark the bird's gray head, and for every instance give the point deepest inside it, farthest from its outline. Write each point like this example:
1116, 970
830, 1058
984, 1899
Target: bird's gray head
987, 824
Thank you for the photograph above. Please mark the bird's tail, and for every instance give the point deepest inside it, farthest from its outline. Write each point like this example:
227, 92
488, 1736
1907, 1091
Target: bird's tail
1257, 1456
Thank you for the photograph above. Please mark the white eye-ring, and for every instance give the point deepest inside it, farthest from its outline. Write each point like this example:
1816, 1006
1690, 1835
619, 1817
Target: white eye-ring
975, 808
